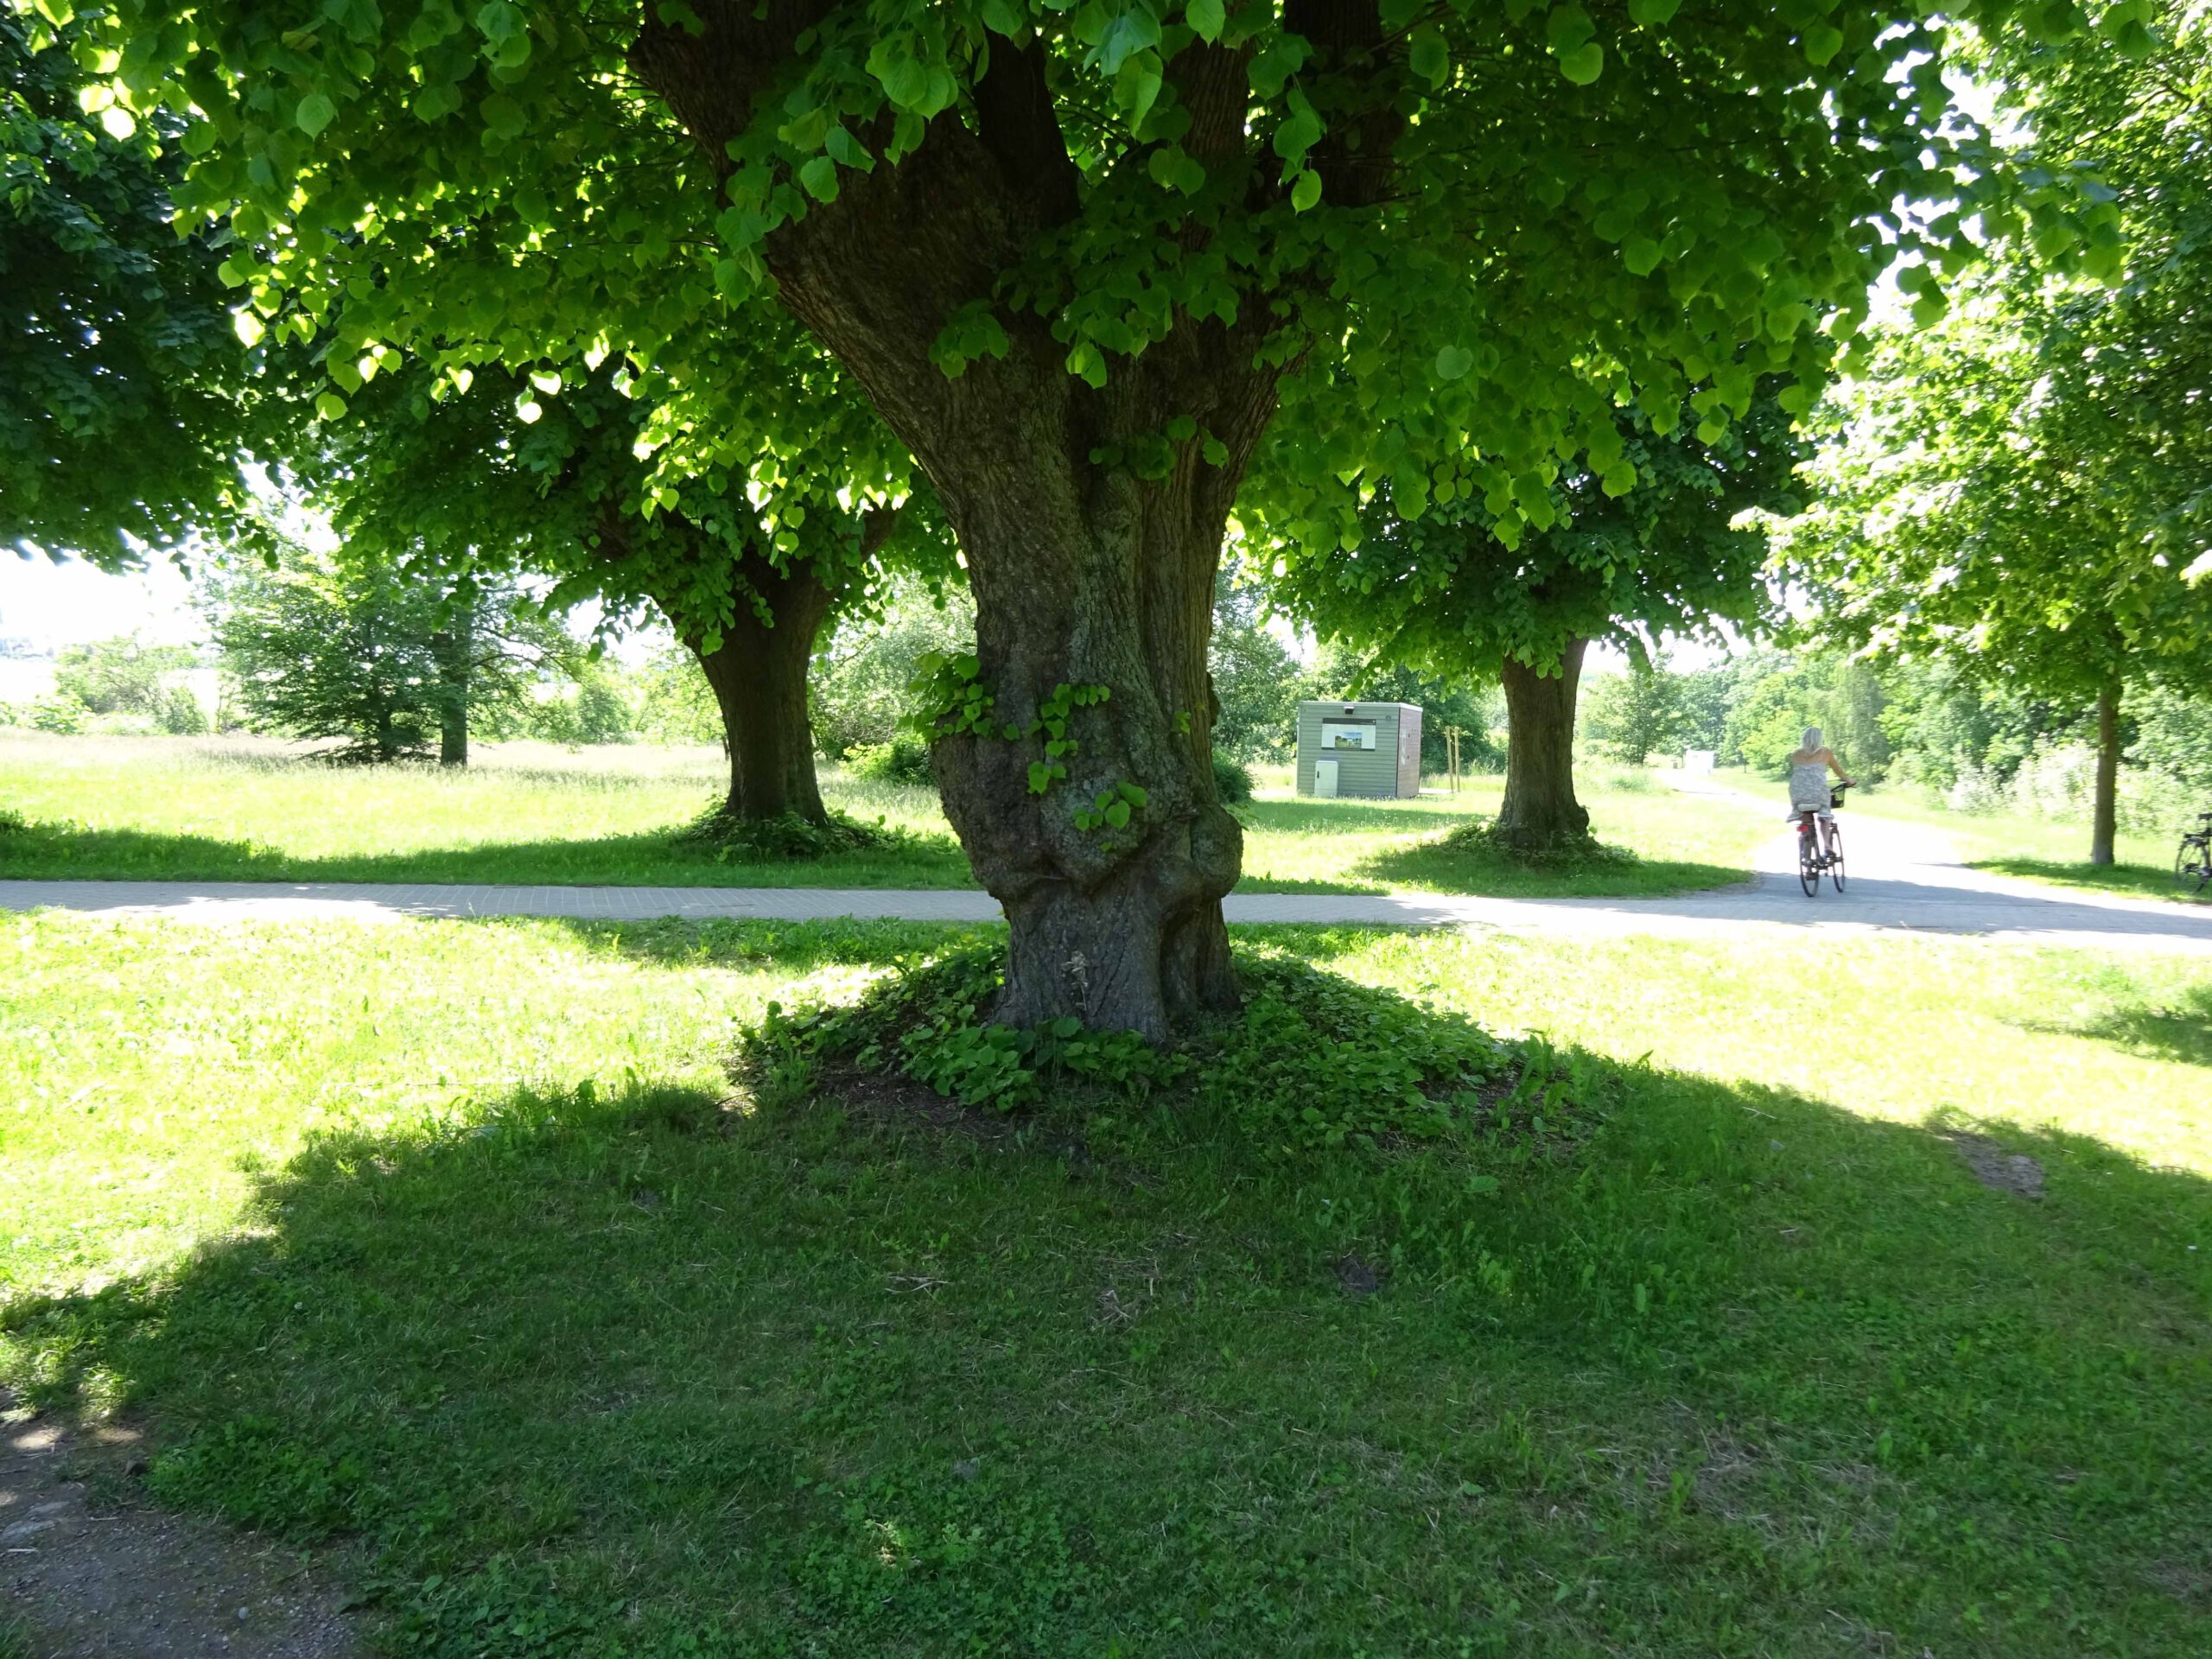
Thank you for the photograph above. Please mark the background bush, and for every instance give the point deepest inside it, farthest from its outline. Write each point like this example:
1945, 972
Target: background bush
904, 759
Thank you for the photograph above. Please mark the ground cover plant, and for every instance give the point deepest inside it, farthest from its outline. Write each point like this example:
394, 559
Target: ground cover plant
527, 813
454, 1249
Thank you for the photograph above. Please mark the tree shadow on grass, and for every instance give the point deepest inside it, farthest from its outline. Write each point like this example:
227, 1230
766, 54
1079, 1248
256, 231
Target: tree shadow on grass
2135, 880
1445, 864
804, 946
622, 1372
61, 851
2177, 1028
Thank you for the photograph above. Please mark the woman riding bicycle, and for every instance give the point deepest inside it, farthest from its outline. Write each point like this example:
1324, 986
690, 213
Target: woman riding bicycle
1808, 778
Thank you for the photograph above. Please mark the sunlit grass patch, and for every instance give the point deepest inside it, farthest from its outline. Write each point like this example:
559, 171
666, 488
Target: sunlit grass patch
248, 810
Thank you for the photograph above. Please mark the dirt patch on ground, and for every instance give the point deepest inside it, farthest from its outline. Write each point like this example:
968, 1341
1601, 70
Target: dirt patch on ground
1996, 1168
88, 1573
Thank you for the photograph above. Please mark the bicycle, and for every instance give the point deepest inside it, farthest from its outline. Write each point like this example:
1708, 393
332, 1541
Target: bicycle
2193, 859
1820, 854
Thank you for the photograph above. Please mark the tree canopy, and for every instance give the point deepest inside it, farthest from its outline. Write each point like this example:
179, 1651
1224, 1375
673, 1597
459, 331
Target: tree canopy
2021, 489
119, 370
1080, 259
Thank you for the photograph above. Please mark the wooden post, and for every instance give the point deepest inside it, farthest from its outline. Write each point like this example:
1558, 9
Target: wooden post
1452, 735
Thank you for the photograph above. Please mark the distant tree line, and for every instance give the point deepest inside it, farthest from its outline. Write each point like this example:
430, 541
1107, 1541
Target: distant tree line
1974, 742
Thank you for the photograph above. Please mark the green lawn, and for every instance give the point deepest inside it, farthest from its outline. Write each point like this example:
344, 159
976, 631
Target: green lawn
2014, 843
449, 1246
530, 813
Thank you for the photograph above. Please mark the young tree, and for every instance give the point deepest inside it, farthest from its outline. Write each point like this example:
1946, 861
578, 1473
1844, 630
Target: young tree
1256, 682
357, 650
1459, 589
119, 371
1635, 714
1080, 261
123, 676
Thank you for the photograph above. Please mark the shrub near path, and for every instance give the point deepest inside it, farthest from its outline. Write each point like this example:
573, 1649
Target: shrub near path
563, 1349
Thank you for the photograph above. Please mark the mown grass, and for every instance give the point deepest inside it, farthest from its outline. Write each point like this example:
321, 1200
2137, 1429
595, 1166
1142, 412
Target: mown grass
153, 809
240, 809
445, 1245
1674, 843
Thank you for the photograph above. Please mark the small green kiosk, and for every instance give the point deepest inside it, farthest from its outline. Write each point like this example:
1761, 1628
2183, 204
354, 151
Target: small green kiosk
1369, 750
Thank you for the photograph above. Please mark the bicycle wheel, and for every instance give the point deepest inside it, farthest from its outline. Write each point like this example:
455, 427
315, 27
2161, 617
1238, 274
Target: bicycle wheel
2193, 863
1808, 863
1835, 855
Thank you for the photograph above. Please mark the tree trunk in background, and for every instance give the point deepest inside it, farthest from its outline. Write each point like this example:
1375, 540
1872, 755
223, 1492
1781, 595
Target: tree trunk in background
758, 674
2104, 827
1540, 811
454, 650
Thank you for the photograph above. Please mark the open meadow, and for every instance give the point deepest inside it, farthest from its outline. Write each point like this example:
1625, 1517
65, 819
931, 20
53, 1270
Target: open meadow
1731, 1316
253, 809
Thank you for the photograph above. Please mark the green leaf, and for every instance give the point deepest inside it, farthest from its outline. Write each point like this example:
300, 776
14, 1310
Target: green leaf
1584, 64
1454, 363
1822, 42
1118, 814
1306, 192
1641, 255
1135, 30
1428, 57
1134, 794
819, 178
1617, 480
1205, 18
316, 112
1652, 13
330, 406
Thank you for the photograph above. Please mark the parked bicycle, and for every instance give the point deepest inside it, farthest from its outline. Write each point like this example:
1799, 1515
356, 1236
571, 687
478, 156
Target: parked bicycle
1819, 846
2193, 862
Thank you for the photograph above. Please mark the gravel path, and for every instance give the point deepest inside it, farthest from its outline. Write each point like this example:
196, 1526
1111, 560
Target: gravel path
1902, 878
88, 1572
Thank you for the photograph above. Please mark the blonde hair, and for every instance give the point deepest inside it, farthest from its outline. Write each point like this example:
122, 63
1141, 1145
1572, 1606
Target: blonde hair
1813, 740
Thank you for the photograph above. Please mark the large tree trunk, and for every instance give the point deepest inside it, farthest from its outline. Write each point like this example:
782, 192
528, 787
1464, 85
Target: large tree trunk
758, 673
2105, 814
455, 650
1540, 811
1117, 924
1089, 516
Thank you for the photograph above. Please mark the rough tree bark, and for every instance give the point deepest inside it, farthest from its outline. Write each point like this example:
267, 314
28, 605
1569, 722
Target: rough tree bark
2105, 813
455, 648
1540, 811
1083, 574
758, 673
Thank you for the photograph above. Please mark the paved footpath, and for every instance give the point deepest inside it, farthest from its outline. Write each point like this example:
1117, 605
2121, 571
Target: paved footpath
1902, 878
